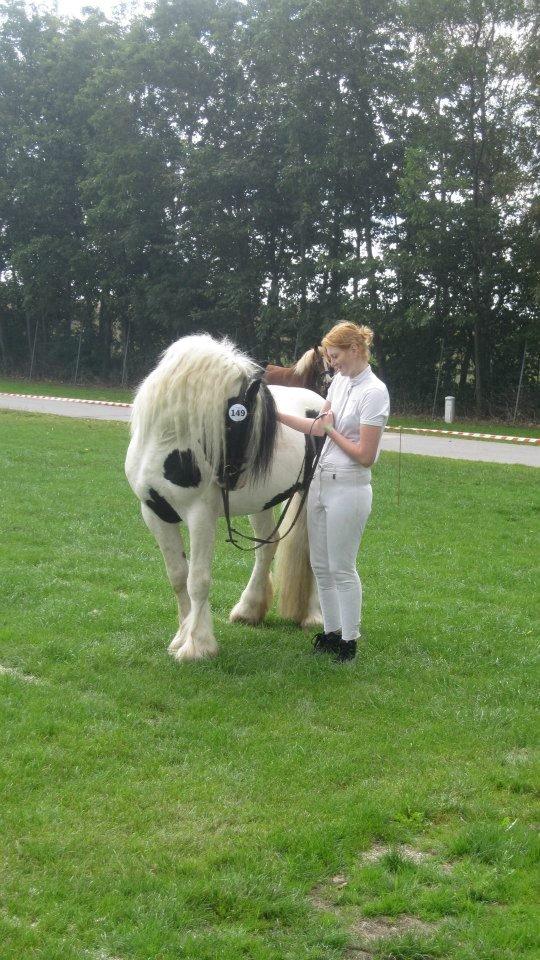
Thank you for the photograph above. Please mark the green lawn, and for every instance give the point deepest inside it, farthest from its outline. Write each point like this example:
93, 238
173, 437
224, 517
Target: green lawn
50, 389
269, 804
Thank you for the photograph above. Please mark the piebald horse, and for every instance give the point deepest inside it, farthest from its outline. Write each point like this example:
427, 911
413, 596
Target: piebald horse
312, 371
203, 418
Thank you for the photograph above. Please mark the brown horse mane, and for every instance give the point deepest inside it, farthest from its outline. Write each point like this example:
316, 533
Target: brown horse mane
309, 371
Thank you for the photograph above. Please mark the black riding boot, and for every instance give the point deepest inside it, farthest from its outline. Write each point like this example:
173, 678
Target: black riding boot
327, 642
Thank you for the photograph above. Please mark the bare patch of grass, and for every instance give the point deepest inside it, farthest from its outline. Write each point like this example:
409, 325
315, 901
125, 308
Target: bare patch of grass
404, 851
368, 931
18, 675
373, 929
519, 756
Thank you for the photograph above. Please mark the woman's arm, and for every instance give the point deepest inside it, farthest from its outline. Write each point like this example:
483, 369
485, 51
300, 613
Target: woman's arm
363, 450
306, 424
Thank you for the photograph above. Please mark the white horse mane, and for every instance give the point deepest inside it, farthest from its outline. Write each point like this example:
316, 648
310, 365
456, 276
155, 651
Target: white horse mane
183, 400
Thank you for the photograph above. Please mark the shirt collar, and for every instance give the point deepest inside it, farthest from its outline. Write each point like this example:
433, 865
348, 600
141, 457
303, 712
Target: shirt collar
354, 381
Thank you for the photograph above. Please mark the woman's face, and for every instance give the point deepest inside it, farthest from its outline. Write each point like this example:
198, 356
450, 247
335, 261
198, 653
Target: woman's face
344, 361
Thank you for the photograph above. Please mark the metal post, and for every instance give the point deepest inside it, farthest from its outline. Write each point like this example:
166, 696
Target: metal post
78, 354
520, 382
399, 468
437, 384
33, 351
124, 365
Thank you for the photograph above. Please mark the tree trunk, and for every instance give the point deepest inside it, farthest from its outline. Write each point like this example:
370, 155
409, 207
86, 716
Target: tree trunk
372, 280
465, 364
335, 248
3, 351
357, 250
481, 363
481, 241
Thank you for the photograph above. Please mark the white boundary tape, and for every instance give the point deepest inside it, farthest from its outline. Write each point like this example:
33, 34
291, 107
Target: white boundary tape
535, 441
461, 433
35, 396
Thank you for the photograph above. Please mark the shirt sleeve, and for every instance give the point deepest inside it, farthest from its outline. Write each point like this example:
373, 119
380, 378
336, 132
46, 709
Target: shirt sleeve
375, 408
331, 390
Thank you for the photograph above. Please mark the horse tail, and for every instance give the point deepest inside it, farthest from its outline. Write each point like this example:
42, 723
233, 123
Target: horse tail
293, 577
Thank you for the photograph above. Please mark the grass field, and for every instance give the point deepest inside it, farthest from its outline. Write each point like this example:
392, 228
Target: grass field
49, 389
269, 804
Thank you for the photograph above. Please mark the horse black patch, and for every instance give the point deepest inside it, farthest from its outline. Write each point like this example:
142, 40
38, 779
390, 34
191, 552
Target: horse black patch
162, 507
180, 468
312, 414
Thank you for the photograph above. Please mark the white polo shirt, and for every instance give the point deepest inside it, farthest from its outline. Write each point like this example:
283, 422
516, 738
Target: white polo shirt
353, 401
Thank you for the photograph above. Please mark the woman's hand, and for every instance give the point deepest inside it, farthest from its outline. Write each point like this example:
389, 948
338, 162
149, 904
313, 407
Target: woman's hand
327, 420
305, 424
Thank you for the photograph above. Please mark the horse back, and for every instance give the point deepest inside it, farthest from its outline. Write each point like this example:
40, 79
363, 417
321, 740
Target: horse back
283, 376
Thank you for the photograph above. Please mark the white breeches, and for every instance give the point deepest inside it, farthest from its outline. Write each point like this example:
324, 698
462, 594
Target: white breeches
338, 507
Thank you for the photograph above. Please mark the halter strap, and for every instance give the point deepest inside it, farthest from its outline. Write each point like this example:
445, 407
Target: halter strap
298, 485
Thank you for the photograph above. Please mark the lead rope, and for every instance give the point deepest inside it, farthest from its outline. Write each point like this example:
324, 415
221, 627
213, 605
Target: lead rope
308, 477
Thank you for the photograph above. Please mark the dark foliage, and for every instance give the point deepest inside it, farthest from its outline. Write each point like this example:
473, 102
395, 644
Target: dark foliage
263, 170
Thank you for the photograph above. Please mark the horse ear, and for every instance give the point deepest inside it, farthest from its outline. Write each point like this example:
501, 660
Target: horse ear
253, 389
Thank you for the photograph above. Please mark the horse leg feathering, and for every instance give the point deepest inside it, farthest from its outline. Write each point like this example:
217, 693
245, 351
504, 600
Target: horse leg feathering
195, 639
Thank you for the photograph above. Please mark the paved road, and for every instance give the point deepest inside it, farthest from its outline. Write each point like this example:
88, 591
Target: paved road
83, 409
462, 449
453, 448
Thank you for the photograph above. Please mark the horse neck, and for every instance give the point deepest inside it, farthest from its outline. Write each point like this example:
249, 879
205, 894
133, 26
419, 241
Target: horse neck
288, 377
281, 376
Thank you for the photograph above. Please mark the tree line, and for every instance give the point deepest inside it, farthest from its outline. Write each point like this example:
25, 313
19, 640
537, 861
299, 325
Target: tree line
262, 169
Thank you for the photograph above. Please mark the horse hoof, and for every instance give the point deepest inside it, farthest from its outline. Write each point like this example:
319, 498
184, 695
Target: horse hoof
237, 616
191, 650
176, 643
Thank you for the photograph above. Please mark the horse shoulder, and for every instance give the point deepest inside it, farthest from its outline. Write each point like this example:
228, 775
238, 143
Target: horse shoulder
297, 400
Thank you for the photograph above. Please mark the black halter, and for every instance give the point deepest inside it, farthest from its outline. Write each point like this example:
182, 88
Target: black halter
238, 424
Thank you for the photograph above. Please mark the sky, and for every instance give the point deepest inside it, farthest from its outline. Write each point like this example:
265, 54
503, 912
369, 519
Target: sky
73, 8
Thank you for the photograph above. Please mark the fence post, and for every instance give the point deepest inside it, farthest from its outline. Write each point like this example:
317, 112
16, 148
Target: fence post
437, 384
520, 382
449, 409
399, 468
78, 354
124, 364
33, 351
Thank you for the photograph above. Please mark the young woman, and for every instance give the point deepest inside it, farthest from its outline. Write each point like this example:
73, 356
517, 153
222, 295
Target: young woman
339, 500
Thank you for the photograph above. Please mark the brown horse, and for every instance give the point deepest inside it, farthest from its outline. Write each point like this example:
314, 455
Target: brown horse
312, 371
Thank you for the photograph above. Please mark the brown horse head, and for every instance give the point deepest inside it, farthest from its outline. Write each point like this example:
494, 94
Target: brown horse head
316, 370
312, 371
